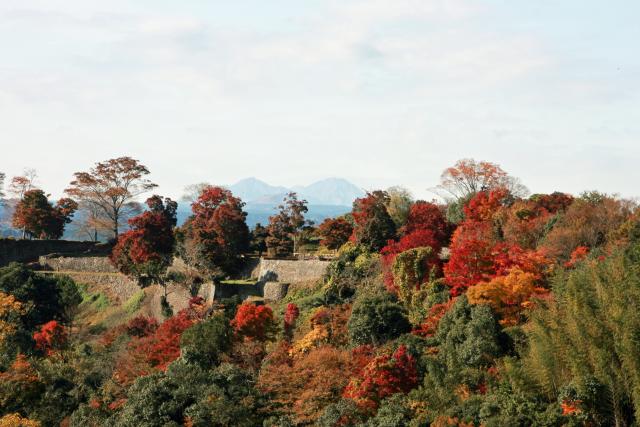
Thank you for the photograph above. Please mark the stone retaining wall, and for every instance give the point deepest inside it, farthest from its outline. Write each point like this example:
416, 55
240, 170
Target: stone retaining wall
292, 271
13, 250
91, 264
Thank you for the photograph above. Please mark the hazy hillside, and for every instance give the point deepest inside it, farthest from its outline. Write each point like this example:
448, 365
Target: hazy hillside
250, 189
330, 191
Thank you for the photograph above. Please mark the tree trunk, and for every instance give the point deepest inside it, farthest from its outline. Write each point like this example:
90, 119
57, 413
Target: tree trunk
115, 227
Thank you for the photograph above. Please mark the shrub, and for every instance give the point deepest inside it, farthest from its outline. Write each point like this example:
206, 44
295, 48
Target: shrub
377, 319
204, 342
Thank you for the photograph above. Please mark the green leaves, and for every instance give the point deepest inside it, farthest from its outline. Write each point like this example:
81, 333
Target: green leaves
377, 319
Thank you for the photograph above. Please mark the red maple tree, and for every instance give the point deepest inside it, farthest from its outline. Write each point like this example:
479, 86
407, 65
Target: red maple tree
214, 238
253, 321
335, 232
147, 249
383, 376
51, 338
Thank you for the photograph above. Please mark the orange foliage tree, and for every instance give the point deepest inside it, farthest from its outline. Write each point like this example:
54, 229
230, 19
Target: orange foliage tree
113, 186
468, 177
508, 295
305, 385
10, 307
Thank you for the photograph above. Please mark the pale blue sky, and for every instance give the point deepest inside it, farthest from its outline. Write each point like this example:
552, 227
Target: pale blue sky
379, 92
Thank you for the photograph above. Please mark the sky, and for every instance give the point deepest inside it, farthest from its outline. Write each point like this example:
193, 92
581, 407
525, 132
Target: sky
380, 92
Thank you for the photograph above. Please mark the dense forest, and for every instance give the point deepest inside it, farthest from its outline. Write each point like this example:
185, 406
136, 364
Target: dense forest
487, 307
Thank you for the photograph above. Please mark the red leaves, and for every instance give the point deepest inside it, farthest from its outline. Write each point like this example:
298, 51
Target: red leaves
335, 232
163, 347
471, 259
253, 321
39, 218
217, 232
381, 377
51, 338
570, 407
484, 205
577, 255
427, 216
478, 255
152, 347
291, 314
142, 326
147, 248
429, 325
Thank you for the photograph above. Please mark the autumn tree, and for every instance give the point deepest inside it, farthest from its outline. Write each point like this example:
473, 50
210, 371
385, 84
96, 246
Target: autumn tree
291, 314
156, 350
254, 322
588, 221
335, 232
51, 337
305, 385
477, 251
92, 223
468, 177
284, 227
427, 216
383, 376
146, 250
38, 218
509, 296
10, 311
113, 186
15, 420
527, 222
373, 225
214, 238
20, 184
399, 205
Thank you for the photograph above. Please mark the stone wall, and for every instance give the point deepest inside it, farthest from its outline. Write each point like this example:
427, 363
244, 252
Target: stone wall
99, 274
116, 286
92, 264
12, 250
292, 271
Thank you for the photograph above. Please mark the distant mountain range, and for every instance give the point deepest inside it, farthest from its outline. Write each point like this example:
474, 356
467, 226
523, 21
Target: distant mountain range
330, 191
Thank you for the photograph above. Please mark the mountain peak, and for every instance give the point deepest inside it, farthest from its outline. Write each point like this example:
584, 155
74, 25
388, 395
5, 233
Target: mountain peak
329, 191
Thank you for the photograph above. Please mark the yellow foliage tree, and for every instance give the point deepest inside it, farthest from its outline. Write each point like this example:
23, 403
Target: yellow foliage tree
507, 295
15, 420
9, 306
